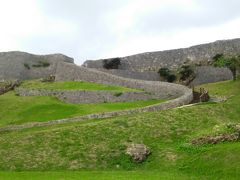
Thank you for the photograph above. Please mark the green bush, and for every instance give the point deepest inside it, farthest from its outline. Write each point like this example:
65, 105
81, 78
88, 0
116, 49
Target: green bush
164, 72
111, 63
171, 78
41, 64
186, 71
117, 94
232, 63
26, 66
167, 74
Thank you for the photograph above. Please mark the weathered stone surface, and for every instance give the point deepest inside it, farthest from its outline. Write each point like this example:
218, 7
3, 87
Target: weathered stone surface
144, 65
208, 74
138, 152
216, 139
64, 71
179, 94
153, 61
146, 75
232, 134
84, 96
77, 73
21, 65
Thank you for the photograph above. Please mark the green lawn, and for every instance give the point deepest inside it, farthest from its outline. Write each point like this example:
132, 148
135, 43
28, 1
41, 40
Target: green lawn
16, 109
76, 149
74, 85
92, 175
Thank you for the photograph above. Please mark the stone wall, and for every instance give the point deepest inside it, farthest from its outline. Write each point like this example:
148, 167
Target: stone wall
184, 99
21, 65
66, 71
173, 59
208, 74
164, 90
83, 96
147, 75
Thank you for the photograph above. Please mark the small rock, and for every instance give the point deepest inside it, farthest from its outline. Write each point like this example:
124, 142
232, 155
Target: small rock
138, 152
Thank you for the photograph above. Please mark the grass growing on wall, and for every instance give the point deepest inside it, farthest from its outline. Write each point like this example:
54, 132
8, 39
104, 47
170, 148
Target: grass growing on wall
74, 85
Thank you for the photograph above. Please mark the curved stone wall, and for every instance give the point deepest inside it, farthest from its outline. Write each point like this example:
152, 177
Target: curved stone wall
146, 75
84, 96
66, 71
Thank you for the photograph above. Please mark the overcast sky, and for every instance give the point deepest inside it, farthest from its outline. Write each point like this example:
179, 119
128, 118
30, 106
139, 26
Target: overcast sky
94, 29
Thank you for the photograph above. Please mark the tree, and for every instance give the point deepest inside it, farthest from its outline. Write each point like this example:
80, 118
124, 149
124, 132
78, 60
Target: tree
167, 74
171, 78
164, 72
232, 63
111, 63
186, 72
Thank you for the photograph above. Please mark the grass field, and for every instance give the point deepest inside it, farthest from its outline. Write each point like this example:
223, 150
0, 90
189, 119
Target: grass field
74, 85
16, 110
96, 149
93, 175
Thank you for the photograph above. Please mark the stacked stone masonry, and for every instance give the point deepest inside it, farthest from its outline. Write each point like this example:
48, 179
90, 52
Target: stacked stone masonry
145, 65
84, 96
173, 59
179, 94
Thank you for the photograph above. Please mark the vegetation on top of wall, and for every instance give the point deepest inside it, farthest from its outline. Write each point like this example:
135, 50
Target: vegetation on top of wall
111, 63
232, 63
117, 94
74, 85
41, 64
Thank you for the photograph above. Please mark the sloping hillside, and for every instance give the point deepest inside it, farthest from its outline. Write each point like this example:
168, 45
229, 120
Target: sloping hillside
101, 145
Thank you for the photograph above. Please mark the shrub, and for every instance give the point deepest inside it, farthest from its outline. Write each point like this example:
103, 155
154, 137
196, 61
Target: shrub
171, 78
117, 94
41, 64
45, 64
167, 74
232, 63
164, 72
26, 66
186, 71
111, 63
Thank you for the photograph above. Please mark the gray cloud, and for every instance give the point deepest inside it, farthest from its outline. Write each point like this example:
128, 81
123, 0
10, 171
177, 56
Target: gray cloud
93, 28
210, 13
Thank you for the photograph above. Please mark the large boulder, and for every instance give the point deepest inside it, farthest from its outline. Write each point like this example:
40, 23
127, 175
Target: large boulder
138, 152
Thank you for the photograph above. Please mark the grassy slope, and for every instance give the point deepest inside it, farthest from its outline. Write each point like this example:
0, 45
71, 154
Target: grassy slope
27, 109
100, 145
74, 85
